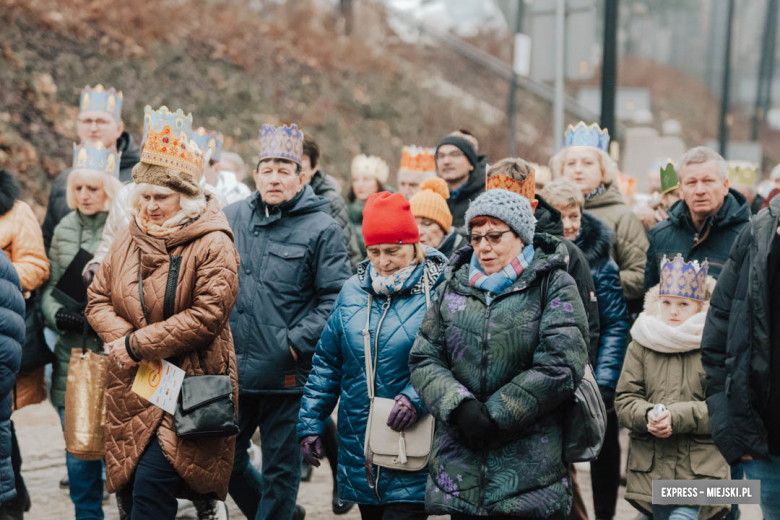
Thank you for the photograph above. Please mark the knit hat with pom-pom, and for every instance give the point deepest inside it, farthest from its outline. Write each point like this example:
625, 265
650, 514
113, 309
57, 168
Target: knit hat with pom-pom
431, 202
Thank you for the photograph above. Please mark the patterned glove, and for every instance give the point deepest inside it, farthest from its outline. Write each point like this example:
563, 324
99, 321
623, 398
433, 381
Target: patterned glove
403, 414
312, 450
69, 321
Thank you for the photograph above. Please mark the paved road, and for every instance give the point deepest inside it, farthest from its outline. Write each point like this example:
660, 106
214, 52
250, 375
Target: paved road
43, 451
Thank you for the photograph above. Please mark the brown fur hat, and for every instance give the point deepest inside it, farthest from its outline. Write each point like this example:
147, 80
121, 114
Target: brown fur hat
180, 182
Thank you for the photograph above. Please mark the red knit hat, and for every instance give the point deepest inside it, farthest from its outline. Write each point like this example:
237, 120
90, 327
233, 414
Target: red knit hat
388, 219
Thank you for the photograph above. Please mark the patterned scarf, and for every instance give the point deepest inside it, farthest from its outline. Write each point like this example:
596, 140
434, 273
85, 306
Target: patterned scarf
388, 285
598, 190
497, 283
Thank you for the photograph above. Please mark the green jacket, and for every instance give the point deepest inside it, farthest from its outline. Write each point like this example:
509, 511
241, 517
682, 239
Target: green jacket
677, 380
630, 246
64, 246
523, 362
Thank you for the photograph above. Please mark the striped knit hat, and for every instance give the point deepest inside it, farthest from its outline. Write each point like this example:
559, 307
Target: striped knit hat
431, 202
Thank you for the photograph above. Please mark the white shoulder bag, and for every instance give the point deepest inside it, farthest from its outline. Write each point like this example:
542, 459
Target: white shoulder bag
408, 450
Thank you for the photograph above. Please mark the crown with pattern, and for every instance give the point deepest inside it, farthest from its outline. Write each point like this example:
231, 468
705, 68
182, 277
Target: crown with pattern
99, 99
669, 180
208, 141
583, 135
103, 160
372, 165
743, 173
167, 142
526, 187
418, 159
683, 279
283, 142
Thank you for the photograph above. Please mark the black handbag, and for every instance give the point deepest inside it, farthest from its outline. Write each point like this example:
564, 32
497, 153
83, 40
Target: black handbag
206, 407
35, 352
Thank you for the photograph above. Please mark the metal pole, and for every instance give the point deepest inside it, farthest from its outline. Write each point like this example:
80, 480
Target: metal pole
771, 56
560, 41
762, 73
512, 103
609, 67
723, 133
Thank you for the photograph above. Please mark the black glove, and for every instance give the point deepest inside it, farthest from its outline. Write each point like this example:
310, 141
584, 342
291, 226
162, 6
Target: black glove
89, 273
608, 396
69, 321
473, 423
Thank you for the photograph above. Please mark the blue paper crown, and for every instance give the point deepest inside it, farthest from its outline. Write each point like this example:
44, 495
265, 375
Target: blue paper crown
284, 142
156, 120
99, 99
102, 160
208, 141
683, 279
583, 135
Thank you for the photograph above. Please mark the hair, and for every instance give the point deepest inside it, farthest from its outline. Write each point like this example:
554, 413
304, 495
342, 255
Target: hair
311, 149
562, 193
419, 252
702, 154
110, 184
514, 168
351, 193
279, 160
468, 136
191, 207
609, 168
481, 220
236, 159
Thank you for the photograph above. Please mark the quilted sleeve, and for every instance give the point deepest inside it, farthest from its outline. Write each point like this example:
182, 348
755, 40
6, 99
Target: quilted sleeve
558, 362
215, 291
614, 321
100, 310
631, 402
439, 390
27, 252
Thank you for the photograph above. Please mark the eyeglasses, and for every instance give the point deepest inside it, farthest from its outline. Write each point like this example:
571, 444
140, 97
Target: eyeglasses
457, 154
98, 122
493, 238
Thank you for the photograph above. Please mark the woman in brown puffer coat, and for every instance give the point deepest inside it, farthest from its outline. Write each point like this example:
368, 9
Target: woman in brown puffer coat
146, 463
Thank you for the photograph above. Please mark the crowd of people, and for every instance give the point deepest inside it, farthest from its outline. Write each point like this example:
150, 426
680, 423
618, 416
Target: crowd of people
449, 322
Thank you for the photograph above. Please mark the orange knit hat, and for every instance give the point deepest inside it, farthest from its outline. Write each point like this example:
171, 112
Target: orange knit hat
431, 202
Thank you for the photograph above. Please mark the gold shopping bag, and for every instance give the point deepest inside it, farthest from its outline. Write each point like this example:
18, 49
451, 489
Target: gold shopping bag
85, 404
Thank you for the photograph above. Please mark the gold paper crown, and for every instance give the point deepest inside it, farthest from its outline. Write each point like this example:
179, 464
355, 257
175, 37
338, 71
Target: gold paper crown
418, 159
743, 173
373, 165
526, 188
167, 142
683, 279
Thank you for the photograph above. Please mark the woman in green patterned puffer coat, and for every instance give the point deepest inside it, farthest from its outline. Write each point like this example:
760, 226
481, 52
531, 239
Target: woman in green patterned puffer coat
494, 361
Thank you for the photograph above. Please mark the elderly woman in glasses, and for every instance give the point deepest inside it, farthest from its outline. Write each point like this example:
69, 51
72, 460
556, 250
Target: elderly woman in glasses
499, 352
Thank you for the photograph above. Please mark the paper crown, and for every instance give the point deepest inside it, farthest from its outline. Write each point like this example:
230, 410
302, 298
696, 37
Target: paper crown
669, 180
526, 188
418, 159
372, 165
167, 142
103, 160
99, 99
683, 279
208, 141
283, 142
743, 173
583, 135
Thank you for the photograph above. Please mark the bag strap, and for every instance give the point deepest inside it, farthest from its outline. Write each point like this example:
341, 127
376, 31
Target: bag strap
367, 349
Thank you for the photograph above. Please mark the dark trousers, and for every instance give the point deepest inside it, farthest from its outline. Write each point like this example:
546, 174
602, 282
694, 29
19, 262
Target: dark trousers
151, 493
401, 511
605, 472
15, 508
269, 495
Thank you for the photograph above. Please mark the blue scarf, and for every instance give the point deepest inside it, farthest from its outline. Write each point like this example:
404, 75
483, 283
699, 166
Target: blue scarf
496, 283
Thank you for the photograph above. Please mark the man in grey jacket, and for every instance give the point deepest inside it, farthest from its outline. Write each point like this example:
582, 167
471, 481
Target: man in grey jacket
293, 264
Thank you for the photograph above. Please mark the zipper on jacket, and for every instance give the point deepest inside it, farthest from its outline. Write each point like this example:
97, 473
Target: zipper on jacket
385, 310
483, 392
169, 302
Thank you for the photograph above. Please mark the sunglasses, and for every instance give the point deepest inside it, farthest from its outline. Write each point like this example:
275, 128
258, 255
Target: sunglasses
493, 238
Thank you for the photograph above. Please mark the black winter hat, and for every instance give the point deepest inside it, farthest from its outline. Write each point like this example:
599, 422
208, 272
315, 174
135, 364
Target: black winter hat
464, 146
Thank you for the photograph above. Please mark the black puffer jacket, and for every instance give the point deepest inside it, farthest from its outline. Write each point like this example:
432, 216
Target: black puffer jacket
58, 207
324, 188
459, 204
736, 348
712, 243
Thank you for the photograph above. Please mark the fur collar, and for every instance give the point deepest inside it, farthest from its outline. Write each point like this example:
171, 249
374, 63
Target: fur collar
595, 240
9, 192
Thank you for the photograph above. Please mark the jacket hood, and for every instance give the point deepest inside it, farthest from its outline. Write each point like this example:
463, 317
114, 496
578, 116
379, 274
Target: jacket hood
303, 203
321, 184
735, 210
595, 239
548, 219
653, 298
131, 152
434, 266
610, 197
9, 191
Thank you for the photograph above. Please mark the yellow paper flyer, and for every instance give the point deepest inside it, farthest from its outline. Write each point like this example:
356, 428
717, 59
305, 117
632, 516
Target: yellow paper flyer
159, 382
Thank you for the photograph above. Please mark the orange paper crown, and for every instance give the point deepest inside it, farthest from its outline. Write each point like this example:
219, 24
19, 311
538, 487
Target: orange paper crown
164, 149
526, 188
418, 159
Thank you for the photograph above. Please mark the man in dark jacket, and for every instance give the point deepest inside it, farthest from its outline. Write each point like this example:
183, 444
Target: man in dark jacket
325, 188
99, 124
456, 163
12, 331
705, 223
293, 264
740, 352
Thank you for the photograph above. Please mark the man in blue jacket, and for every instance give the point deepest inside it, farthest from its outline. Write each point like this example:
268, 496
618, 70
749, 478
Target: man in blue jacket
293, 264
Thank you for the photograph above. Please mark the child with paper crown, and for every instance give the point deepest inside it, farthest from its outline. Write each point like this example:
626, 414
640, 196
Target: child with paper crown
660, 394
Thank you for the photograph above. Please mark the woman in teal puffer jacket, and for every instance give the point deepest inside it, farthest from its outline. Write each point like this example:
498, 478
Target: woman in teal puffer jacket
400, 275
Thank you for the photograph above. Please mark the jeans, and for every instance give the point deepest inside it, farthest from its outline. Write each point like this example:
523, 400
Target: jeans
269, 495
675, 512
151, 492
400, 511
605, 472
86, 483
768, 472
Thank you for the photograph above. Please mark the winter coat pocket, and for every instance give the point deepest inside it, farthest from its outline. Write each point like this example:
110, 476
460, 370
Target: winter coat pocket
706, 460
285, 263
641, 452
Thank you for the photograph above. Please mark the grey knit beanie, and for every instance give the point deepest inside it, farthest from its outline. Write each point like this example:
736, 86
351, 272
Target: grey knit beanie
507, 206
